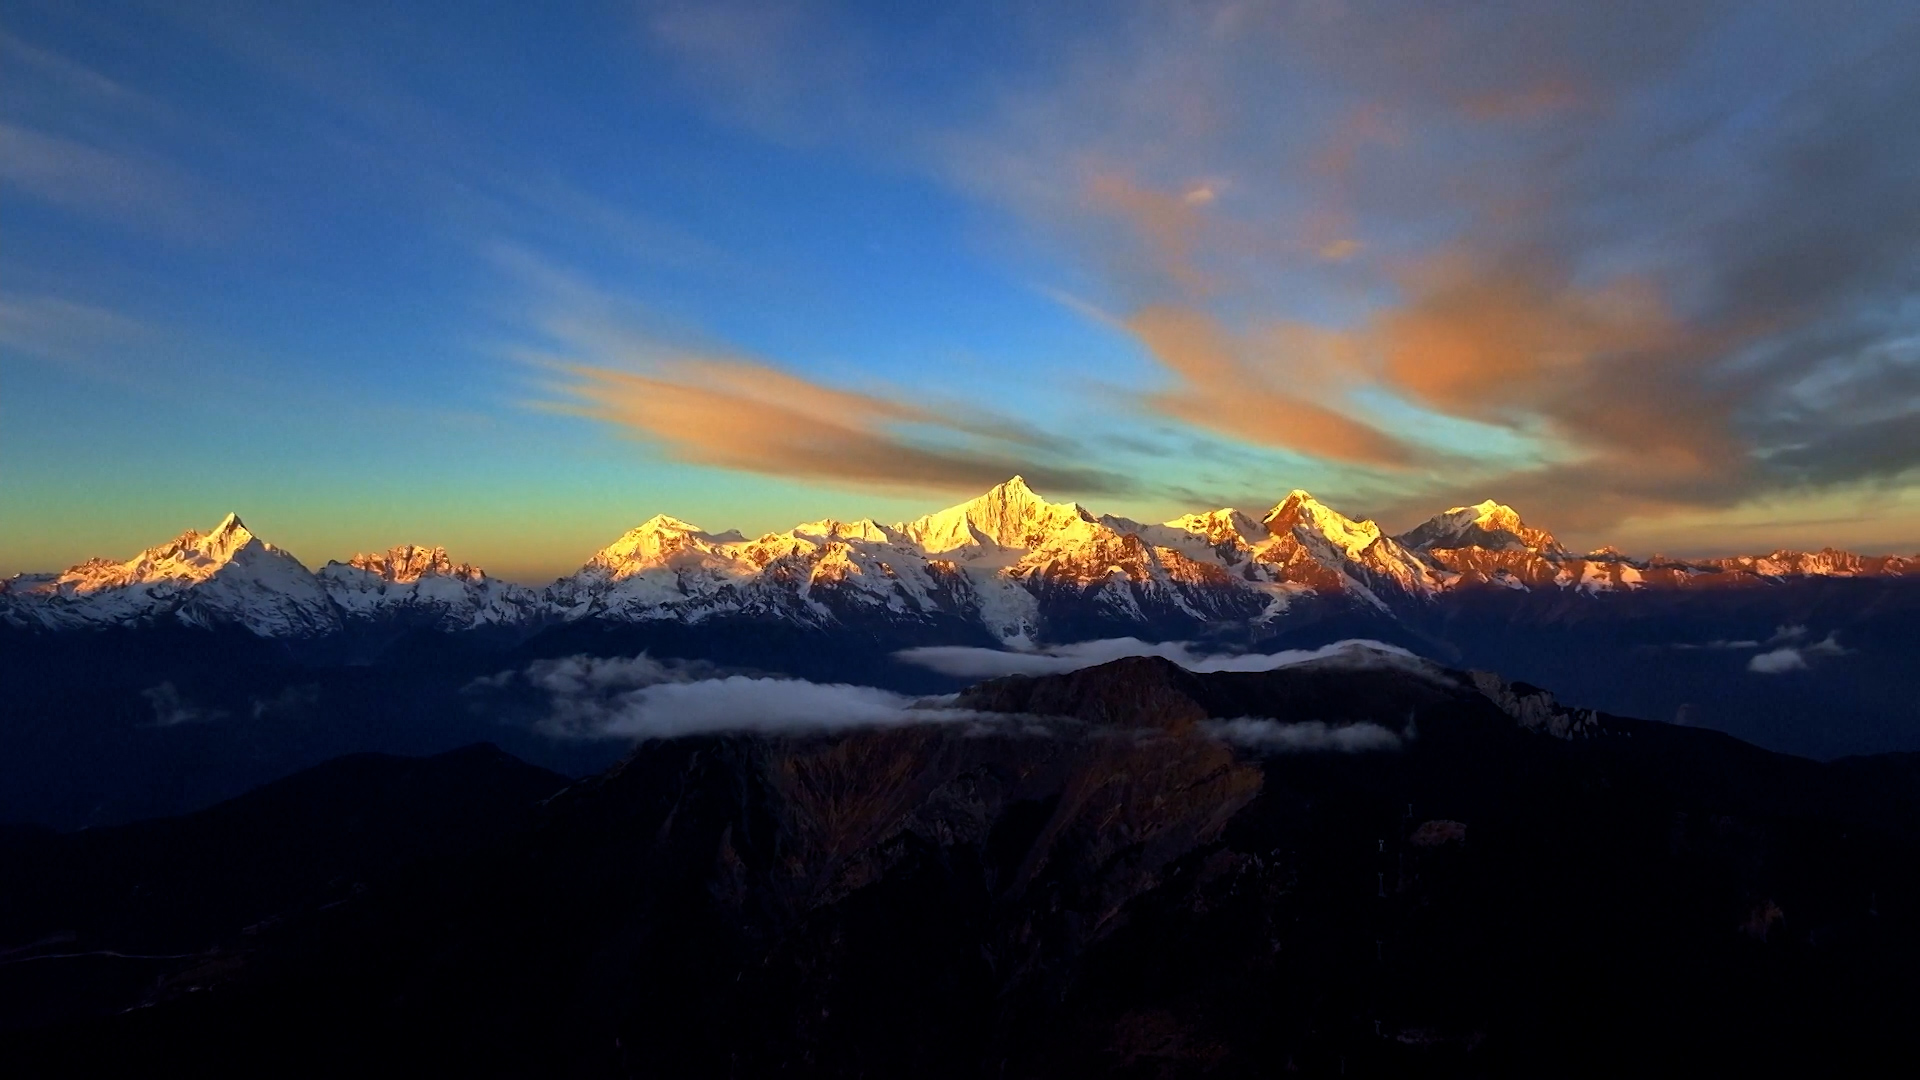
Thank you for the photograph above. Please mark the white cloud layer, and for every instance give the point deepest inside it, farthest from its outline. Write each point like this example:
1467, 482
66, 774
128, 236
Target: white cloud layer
640, 697
968, 661
743, 703
1272, 736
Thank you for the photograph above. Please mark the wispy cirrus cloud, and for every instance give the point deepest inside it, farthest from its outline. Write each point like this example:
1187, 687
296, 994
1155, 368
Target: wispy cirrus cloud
58, 328
118, 185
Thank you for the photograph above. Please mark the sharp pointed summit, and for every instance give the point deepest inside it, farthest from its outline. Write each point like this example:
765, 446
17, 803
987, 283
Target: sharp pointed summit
1308, 518
1490, 525
1009, 515
224, 577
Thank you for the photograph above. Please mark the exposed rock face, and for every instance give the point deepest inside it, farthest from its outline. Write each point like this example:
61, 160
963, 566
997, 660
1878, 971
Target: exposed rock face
423, 586
409, 563
1535, 708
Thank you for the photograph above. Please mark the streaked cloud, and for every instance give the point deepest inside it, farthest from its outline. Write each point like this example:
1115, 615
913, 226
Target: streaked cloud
122, 186
1240, 385
54, 327
753, 417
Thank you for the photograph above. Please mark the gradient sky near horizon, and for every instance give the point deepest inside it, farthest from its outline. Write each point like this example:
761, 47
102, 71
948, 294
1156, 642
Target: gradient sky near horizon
512, 278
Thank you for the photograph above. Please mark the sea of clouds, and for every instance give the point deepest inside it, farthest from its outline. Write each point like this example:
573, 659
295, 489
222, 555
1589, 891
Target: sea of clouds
643, 697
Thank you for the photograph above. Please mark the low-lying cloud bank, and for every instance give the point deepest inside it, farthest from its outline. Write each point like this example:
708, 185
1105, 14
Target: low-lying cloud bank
1272, 736
1795, 657
1783, 651
966, 661
639, 697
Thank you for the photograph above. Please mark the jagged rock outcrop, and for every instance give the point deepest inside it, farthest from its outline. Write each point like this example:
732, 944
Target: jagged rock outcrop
1535, 709
423, 586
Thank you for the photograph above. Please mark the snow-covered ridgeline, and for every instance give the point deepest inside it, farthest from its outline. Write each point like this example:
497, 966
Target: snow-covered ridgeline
1000, 561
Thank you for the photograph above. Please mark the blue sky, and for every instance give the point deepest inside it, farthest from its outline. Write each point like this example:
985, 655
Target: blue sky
513, 278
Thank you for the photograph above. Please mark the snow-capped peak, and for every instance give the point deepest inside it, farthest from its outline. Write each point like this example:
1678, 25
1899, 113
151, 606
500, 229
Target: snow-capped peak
425, 586
411, 562
1010, 515
1223, 526
650, 543
664, 523
190, 557
1300, 513
226, 576
830, 529
1491, 525
230, 527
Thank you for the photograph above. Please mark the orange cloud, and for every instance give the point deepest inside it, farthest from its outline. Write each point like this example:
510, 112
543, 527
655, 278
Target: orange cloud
1227, 384
1477, 336
1609, 367
748, 416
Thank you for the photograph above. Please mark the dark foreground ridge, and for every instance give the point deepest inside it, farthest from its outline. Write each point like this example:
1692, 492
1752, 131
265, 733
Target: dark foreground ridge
1112, 878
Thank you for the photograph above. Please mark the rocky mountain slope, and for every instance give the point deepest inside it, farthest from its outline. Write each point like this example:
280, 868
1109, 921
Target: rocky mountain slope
1008, 563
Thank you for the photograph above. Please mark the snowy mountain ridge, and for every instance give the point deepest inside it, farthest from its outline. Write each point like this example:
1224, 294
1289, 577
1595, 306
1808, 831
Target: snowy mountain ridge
1007, 562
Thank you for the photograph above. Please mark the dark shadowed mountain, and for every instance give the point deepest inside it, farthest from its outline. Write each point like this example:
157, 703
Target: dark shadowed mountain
1366, 865
89, 920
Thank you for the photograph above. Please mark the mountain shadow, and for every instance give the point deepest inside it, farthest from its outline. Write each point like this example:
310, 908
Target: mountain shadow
1338, 868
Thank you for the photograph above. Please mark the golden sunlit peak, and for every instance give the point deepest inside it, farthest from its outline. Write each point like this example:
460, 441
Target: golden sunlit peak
1296, 500
666, 523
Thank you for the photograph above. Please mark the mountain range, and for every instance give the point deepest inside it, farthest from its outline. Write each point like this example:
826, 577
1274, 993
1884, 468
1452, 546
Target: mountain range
1009, 563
